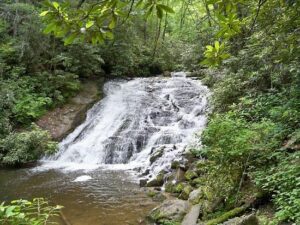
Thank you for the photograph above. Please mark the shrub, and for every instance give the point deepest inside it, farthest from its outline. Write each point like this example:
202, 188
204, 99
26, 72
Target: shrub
283, 181
23, 212
26, 146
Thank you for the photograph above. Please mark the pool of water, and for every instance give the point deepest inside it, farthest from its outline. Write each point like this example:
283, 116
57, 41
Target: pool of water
109, 198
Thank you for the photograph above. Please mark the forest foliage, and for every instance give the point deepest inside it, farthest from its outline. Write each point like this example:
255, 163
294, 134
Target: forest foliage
246, 51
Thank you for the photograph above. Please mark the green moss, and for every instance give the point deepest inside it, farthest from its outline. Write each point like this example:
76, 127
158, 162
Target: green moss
186, 192
179, 188
151, 194
169, 187
155, 215
190, 175
168, 222
227, 215
197, 182
175, 165
156, 182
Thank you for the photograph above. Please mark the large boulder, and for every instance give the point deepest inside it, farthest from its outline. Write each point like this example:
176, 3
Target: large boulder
169, 210
192, 216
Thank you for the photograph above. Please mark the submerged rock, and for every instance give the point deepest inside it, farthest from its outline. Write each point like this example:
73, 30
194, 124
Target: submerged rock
170, 210
143, 182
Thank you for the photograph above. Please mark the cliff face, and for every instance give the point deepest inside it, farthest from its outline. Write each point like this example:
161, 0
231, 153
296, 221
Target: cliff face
64, 119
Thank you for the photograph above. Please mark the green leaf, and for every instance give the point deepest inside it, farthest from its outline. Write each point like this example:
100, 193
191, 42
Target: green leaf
217, 45
159, 12
166, 8
44, 13
51, 27
70, 39
56, 5
89, 24
109, 35
139, 3
149, 11
112, 23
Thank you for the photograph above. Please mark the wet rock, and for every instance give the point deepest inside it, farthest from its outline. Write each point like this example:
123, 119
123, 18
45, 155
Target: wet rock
146, 172
180, 175
156, 155
156, 196
170, 210
64, 119
243, 220
167, 74
184, 124
143, 182
175, 165
157, 181
169, 186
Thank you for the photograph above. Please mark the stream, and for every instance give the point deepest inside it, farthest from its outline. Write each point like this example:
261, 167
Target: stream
137, 130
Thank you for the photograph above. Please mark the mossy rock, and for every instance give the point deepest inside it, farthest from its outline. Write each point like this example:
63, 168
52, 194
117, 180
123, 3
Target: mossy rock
156, 182
196, 182
190, 175
179, 188
151, 194
175, 165
227, 215
186, 192
195, 196
156, 195
169, 187
173, 210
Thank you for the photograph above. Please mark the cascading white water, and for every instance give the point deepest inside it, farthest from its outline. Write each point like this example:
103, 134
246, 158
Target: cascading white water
138, 120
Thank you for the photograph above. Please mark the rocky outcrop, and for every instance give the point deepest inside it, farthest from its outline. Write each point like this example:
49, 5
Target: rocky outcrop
173, 210
64, 119
192, 216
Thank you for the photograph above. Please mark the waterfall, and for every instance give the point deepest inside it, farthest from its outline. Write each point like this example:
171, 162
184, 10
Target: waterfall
143, 123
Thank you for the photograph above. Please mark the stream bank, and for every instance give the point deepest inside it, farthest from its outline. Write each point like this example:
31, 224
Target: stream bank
62, 120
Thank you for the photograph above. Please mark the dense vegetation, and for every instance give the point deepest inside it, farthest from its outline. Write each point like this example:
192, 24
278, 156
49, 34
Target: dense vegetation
250, 47
253, 132
37, 212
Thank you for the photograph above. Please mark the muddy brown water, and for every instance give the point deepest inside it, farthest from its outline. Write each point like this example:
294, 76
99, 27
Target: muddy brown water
109, 198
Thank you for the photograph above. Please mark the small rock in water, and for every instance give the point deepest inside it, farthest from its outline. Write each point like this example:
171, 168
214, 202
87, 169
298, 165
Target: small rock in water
143, 182
82, 178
